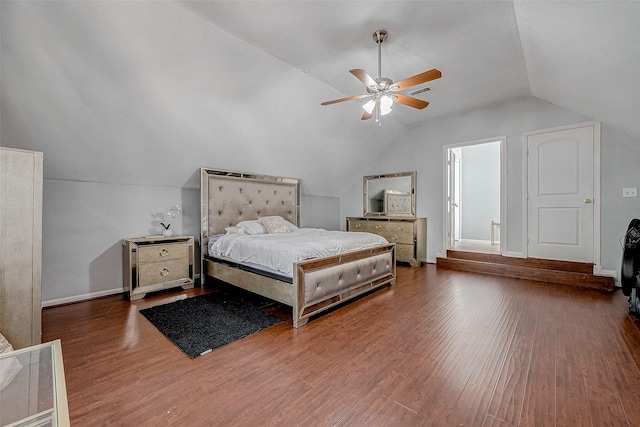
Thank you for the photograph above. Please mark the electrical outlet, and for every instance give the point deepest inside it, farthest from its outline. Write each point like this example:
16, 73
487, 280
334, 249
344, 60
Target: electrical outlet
629, 192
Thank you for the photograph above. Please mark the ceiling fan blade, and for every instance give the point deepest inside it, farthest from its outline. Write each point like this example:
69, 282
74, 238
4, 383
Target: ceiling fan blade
365, 78
424, 77
349, 98
410, 101
366, 116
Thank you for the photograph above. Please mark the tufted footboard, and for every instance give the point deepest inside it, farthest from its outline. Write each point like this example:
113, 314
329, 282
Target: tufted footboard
322, 283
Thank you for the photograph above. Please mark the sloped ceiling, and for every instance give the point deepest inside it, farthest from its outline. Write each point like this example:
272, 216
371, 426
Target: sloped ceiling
581, 55
122, 92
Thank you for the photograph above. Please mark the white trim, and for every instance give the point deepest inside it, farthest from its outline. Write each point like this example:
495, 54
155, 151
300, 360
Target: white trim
503, 189
597, 267
515, 254
85, 297
90, 296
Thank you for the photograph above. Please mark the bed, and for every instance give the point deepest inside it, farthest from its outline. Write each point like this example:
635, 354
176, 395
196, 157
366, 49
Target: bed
315, 285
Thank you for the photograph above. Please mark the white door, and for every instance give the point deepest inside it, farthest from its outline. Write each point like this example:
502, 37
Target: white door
560, 179
453, 198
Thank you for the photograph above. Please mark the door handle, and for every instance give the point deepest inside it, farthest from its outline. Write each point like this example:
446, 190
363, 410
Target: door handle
587, 200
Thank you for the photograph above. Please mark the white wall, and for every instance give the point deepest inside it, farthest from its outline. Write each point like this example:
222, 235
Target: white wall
480, 189
84, 224
127, 100
421, 149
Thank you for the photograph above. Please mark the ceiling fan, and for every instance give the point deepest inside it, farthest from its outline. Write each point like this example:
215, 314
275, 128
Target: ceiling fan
383, 92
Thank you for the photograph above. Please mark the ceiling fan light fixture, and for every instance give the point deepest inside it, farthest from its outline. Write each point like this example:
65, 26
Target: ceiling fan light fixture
385, 104
369, 106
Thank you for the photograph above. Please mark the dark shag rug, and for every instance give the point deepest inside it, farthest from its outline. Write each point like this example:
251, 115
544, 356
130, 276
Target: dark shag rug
201, 324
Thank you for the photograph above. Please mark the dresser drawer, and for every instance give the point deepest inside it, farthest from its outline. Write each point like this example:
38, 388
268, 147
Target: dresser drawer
368, 226
160, 272
400, 227
404, 251
162, 252
393, 237
408, 234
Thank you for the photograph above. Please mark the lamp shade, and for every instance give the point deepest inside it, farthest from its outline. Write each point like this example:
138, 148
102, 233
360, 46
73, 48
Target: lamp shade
385, 104
368, 107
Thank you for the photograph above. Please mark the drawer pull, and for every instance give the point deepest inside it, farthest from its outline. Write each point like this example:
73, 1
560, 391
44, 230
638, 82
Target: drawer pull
164, 272
357, 225
164, 253
378, 226
394, 237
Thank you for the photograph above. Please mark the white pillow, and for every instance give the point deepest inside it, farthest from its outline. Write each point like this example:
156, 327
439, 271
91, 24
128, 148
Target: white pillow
252, 227
10, 366
277, 224
234, 230
5, 346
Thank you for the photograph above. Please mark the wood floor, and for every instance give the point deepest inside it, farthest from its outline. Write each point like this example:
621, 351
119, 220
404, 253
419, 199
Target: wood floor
439, 348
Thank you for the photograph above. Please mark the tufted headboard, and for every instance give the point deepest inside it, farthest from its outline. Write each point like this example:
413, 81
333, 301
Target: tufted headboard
230, 197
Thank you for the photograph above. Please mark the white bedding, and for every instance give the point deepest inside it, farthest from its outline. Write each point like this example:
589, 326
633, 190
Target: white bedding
281, 250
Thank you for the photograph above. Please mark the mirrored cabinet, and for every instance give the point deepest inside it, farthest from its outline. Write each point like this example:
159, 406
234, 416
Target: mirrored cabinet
389, 210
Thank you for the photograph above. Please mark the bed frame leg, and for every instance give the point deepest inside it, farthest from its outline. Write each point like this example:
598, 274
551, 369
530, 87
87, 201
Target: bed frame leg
297, 323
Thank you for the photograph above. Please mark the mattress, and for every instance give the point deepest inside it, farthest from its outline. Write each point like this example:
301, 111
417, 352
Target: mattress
280, 251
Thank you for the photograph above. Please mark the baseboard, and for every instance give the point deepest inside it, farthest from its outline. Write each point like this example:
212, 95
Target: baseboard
93, 295
84, 297
598, 271
515, 254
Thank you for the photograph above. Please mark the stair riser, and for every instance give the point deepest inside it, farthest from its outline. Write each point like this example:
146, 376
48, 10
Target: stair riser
575, 267
530, 273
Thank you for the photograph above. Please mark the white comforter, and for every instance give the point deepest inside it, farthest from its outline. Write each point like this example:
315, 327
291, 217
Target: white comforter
281, 250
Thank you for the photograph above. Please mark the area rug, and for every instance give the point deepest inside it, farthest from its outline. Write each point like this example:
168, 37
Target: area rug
201, 324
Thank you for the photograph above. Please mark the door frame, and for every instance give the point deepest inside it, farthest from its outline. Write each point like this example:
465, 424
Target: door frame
503, 189
597, 267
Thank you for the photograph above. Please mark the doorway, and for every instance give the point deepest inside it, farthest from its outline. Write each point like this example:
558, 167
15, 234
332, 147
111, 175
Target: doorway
474, 176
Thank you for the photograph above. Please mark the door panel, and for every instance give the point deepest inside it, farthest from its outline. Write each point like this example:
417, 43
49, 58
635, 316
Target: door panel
560, 194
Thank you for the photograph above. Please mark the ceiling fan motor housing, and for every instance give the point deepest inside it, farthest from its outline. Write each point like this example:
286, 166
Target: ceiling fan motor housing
380, 36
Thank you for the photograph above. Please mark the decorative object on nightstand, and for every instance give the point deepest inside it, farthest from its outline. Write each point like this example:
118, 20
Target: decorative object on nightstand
155, 263
169, 214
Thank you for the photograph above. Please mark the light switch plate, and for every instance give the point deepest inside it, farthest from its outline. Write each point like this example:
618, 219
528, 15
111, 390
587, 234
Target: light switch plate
629, 192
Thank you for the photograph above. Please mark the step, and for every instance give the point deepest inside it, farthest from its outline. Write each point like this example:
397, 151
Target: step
560, 272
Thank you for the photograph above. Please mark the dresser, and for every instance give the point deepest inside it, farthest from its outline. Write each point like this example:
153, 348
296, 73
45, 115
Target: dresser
409, 235
21, 246
155, 263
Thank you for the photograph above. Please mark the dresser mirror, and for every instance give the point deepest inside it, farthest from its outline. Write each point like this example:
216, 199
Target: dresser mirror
392, 195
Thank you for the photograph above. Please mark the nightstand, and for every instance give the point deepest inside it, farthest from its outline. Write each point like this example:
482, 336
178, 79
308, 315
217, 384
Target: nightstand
155, 263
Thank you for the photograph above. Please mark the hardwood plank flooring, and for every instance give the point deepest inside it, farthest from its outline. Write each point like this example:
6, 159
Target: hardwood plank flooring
438, 348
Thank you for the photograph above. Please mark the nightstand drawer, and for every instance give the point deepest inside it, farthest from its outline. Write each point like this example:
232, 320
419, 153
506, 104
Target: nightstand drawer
162, 252
153, 273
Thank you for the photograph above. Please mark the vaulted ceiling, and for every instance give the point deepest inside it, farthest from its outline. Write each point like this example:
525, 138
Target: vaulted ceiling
581, 55
123, 92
